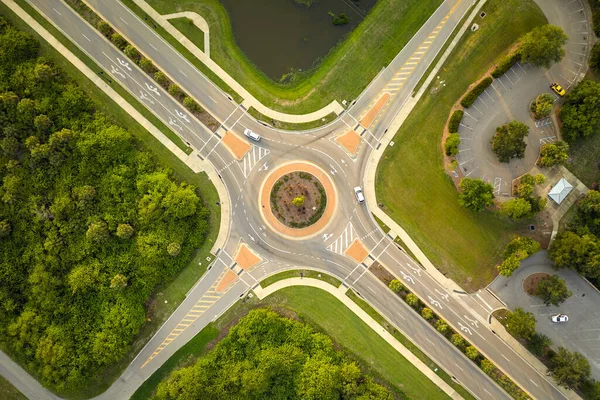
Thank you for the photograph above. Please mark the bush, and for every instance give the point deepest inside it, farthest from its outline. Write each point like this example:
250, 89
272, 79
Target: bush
396, 286
451, 144
542, 107
412, 300
147, 66
104, 28
427, 313
538, 344
132, 53
338, 20
455, 120
441, 326
475, 194
161, 78
596, 22
518, 208
471, 352
474, 93
457, 340
506, 64
118, 40
487, 366
191, 104
175, 90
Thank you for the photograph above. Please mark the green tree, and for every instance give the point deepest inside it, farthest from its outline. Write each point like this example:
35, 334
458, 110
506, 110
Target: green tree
191, 104
175, 90
509, 141
16, 47
427, 313
471, 352
132, 53
519, 248
581, 253
97, 232
595, 56
298, 201
517, 208
119, 281
411, 300
552, 154
520, 324
543, 46
161, 78
580, 113
553, 290
5, 228
104, 28
124, 231
457, 340
475, 194
396, 286
539, 343
588, 211
487, 366
441, 326
147, 66
118, 40
451, 144
569, 369
173, 249
82, 278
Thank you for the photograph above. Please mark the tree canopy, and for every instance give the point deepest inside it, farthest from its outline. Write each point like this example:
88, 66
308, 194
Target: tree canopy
87, 217
520, 324
580, 113
519, 248
569, 369
266, 356
509, 141
553, 290
475, 194
543, 46
554, 153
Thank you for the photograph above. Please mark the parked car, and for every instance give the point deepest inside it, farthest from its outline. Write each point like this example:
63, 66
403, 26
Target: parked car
359, 194
558, 89
252, 135
558, 318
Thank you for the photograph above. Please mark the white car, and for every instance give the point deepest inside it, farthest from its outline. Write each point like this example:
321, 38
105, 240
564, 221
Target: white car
359, 194
252, 135
558, 318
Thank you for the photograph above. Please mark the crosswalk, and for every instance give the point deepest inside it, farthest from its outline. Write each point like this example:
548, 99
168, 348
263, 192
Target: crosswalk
252, 158
344, 240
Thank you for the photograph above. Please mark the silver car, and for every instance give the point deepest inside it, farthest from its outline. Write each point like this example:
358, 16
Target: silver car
252, 135
558, 318
359, 194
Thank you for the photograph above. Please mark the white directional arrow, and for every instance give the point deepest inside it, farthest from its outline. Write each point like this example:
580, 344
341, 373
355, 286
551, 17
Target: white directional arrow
326, 236
473, 322
172, 122
251, 237
264, 167
182, 115
343, 162
115, 71
408, 278
435, 302
124, 63
144, 96
415, 270
465, 329
152, 88
443, 295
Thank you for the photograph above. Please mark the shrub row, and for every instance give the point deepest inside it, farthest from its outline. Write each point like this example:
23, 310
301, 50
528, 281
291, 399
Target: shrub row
506, 63
474, 93
455, 119
451, 145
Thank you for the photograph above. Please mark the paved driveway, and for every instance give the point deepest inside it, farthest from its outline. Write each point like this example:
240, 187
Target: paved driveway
582, 332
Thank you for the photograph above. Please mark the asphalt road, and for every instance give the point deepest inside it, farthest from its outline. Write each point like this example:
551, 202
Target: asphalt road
243, 179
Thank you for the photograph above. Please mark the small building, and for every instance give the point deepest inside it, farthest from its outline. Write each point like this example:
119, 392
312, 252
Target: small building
560, 191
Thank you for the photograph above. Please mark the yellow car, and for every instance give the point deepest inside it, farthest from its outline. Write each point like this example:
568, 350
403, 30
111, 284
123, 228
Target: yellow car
558, 89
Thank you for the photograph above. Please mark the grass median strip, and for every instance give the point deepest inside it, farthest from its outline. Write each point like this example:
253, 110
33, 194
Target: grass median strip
304, 273
411, 181
341, 75
289, 126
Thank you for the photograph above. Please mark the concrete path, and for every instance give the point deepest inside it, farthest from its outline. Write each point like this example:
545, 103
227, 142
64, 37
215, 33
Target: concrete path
340, 294
249, 99
20, 379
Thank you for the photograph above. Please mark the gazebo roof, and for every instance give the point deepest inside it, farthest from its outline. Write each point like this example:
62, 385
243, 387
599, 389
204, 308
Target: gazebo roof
560, 191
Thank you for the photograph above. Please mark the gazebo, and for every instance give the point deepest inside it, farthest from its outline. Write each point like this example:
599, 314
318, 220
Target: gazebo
560, 191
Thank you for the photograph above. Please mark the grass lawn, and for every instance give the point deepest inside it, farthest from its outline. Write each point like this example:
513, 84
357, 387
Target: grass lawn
306, 273
411, 182
585, 153
342, 74
173, 292
189, 30
8, 391
329, 315
292, 126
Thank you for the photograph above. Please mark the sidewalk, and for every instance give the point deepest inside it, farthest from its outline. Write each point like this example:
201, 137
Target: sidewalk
191, 160
249, 99
340, 294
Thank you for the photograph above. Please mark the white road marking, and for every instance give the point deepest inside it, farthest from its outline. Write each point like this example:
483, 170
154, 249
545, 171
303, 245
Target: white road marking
151, 45
183, 73
56, 11
458, 366
126, 23
88, 39
369, 287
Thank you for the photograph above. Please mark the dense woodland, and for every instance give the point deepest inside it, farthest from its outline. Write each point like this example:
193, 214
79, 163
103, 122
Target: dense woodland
266, 356
90, 223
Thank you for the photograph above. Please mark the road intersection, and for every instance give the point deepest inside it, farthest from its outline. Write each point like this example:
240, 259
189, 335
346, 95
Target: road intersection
244, 171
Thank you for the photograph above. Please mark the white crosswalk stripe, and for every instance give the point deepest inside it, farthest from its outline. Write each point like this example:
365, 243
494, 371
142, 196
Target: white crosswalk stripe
252, 158
344, 240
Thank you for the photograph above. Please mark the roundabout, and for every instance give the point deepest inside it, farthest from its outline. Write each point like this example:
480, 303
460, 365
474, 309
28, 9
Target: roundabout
297, 200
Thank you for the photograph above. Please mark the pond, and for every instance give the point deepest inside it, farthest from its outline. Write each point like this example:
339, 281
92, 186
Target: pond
278, 35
